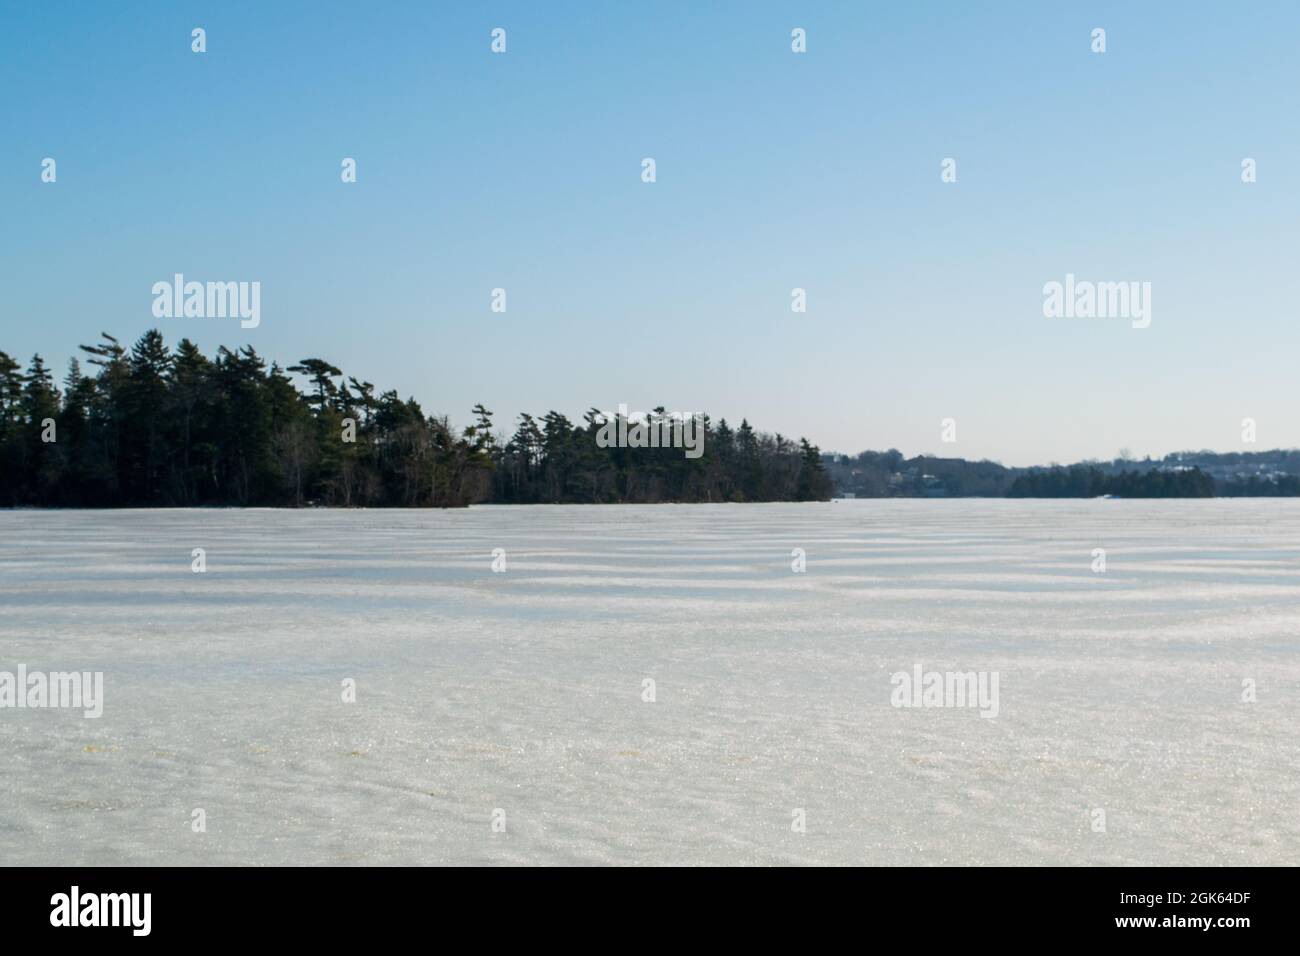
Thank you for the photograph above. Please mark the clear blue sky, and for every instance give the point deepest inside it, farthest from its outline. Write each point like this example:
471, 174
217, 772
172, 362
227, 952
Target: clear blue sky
775, 170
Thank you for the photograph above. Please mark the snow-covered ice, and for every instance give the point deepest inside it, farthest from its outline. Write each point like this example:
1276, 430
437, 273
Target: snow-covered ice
522, 690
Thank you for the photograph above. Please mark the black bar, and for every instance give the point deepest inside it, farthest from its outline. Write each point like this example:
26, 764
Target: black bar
978, 906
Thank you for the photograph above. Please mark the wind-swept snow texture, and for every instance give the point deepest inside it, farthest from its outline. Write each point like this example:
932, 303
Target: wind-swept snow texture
523, 691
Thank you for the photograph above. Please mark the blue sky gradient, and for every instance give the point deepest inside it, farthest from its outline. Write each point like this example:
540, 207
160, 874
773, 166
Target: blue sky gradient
775, 170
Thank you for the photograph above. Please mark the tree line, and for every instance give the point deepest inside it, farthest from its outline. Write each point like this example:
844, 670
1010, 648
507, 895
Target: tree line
874, 474
148, 426
1086, 481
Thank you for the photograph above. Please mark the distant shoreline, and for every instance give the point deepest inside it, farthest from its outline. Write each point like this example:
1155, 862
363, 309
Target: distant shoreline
154, 426
21, 509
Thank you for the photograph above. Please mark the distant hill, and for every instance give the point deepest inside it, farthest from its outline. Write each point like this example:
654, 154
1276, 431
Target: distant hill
1194, 474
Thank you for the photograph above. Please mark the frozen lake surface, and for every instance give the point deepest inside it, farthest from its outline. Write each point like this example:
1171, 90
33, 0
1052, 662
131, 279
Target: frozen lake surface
1120, 691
